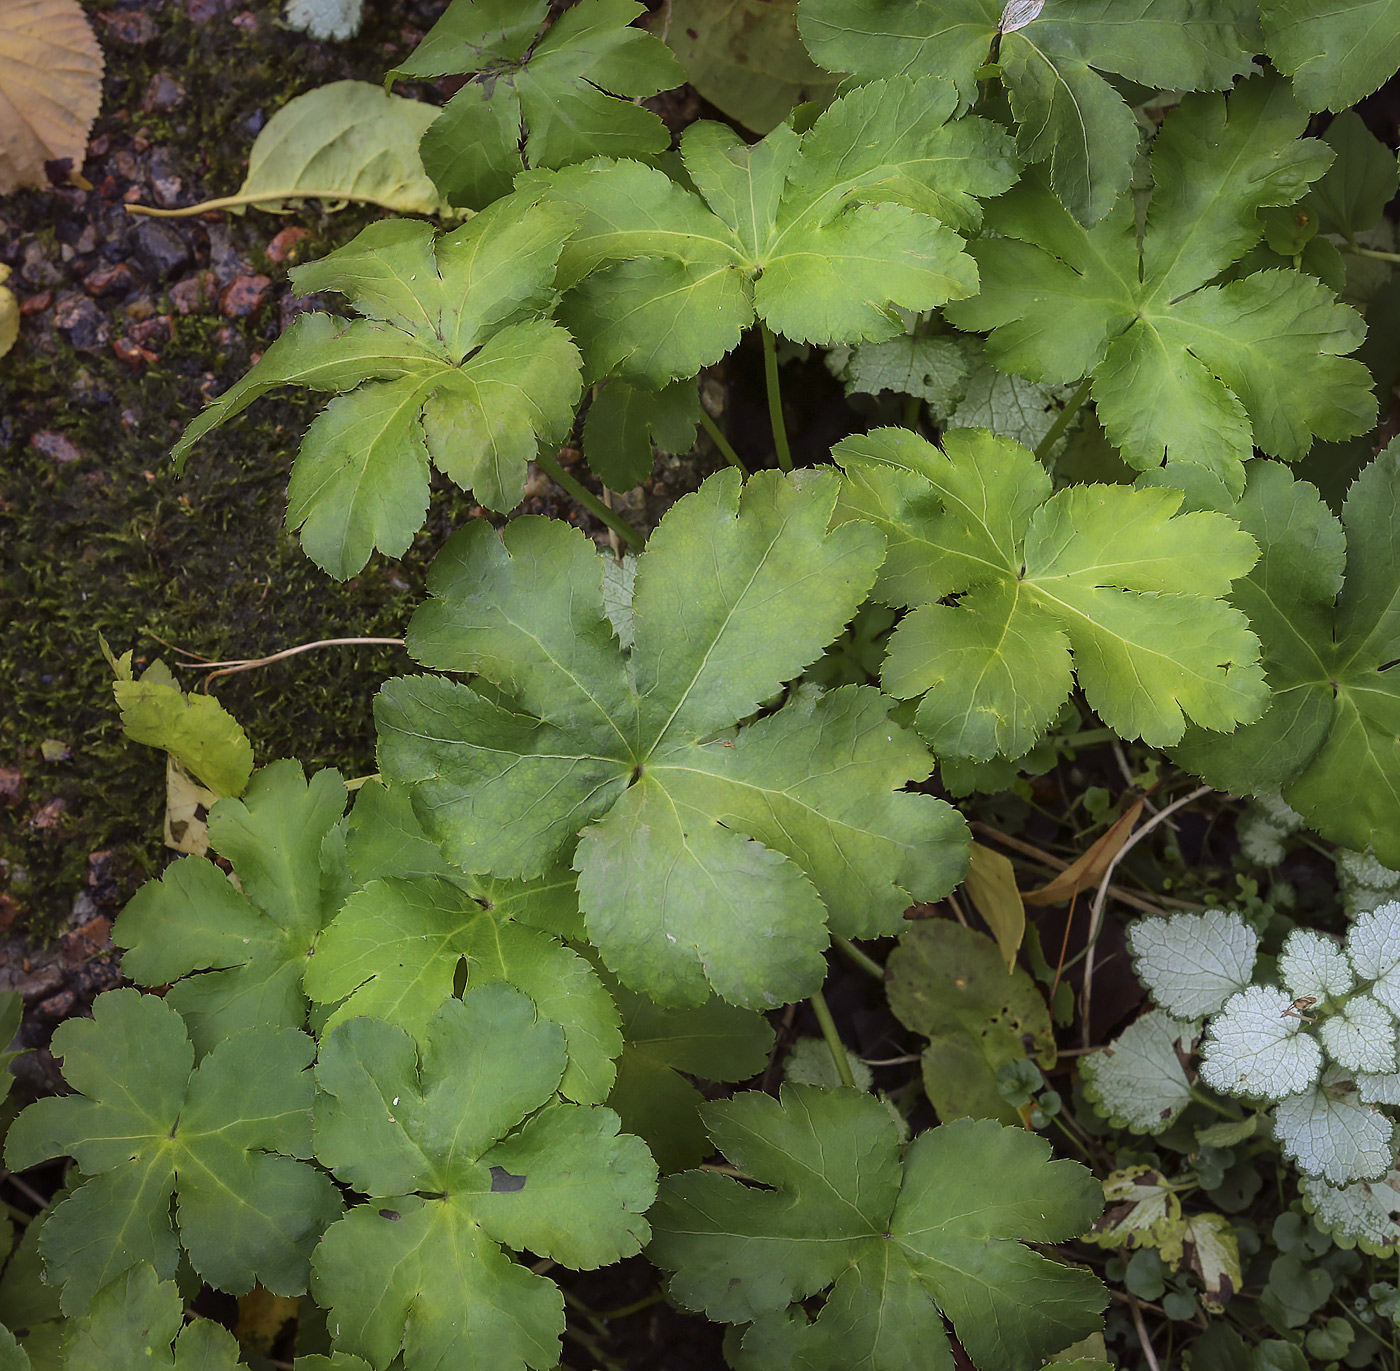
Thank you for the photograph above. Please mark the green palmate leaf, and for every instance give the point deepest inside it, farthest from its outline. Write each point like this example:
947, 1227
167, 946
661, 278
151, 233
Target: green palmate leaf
1183, 370
538, 100
1052, 57
903, 1243
711, 860
1359, 184
820, 234
1139, 1082
714, 1040
345, 141
623, 422
242, 952
952, 985
133, 1321
1103, 582
1336, 51
453, 363
220, 1139
1329, 737
13, 1356
462, 1152
397, 949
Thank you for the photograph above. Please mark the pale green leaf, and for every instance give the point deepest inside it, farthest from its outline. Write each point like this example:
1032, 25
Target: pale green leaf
547, 95
1183, 370
952, 985
1053, 64
1329, 1133
903, 1244
455, 361
241, 951
1138, 1082
461, 1152
194, 728
1112, 575
936, 370
344, 141
1253, 1047
710, 859
1336, 51
144, 1128
1142, 1210
1193, 963
823, 234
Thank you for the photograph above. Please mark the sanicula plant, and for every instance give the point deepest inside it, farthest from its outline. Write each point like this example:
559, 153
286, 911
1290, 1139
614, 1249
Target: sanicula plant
412, 1058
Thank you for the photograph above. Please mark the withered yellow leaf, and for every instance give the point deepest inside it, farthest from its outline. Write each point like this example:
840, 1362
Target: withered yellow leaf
50, 87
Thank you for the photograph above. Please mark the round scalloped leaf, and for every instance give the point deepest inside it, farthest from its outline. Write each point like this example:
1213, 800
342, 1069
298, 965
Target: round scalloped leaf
1361, 1037
1193, 963
1138, 1082
1252, 1049
1382, 1088
1365, 1214
1330, 1133
1312, 964
1374, 947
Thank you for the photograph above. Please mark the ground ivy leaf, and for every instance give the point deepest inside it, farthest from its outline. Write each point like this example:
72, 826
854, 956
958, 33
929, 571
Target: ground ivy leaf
538, 99
1360, 1036
1114, 575
134, 1320
241, 954
1051, 64
1311, 963
1138, 1081
143, 1127
454, 361
1336, 51
689, 828
395, 949
1329, 738
461, 1153
938, 1234
821, 234
1182, 369
1193, 963
1362, 1214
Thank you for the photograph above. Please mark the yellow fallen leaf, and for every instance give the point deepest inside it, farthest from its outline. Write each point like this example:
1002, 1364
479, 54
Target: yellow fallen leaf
9, 313
991, 882
1091, 867
50, 87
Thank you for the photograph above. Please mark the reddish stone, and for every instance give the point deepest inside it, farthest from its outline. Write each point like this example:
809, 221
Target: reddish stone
92, 939
194, 292
153, 332
12, 786
114, 280
110, 188
57, 447
283, 247
244, 296
49, 815
97, 147
247, 21
9, 911
58, 1006
32, 304
129, 28
133, 354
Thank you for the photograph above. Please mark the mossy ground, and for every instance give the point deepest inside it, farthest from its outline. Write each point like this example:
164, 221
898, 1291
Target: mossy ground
115, 544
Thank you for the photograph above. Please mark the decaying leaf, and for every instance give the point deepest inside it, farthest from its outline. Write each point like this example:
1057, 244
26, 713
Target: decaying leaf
9, 313
50, 90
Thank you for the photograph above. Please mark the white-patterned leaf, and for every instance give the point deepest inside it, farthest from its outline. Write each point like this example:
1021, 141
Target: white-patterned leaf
1374, 947
1312, 964
1253, 1049
1138, 1082
1378, 1088
1193, 963
1361, 1036
1365, 1214
1330, 1133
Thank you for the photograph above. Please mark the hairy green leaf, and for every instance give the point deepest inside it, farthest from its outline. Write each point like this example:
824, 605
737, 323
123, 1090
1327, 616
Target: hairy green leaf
146, 1126
820, 234
1051, 58
241, 950
951, 984
902, 1244
133, 1321
538, 99
710, 859
462, 1153
454, 362
1112, 575
1183, 370
1336, 51
1329, 737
